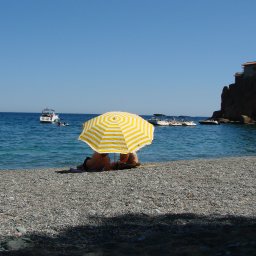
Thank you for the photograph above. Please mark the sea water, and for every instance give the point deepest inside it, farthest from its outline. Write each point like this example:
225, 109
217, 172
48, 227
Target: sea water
25, 143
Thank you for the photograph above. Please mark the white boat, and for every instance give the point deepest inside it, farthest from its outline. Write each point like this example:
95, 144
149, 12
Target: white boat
209, 121
49, 116
153, 120
188, 123
162, 122
175, 123
159, 119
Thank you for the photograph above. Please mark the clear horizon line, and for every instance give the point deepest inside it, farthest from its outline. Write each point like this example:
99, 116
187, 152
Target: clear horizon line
70, 113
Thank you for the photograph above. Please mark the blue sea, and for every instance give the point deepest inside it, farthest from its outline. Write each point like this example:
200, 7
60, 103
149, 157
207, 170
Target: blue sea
25, 143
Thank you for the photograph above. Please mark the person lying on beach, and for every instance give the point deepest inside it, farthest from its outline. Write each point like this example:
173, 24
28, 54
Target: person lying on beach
126, 161
97, 162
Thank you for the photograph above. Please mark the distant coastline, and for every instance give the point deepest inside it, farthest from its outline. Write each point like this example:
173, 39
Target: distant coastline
67, 113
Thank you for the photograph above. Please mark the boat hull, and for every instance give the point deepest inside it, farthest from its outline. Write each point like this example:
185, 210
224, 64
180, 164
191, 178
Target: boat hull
188, 123
209, 122
45, 119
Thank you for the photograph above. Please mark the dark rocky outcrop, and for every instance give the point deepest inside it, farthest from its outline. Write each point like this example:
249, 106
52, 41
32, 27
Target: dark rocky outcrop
238, 101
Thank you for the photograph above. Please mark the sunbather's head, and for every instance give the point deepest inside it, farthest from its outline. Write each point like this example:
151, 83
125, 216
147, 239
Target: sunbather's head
124, 158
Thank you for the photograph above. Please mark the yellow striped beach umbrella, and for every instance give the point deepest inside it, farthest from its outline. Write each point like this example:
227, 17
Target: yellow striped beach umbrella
117, 132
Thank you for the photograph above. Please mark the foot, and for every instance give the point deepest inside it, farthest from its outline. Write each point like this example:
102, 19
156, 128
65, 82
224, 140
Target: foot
80, 167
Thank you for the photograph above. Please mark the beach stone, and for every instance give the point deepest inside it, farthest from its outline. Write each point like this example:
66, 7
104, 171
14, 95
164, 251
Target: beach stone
2, 249
94, 253
21, 230
246, 119
17, 244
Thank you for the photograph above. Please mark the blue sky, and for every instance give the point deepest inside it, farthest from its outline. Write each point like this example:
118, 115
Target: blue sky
140, 56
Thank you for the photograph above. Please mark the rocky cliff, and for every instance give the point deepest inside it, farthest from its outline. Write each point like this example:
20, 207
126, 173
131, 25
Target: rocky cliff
238, 101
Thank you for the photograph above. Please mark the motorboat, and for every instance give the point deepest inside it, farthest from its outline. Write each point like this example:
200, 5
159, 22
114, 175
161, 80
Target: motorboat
188, 123
209, 121
49, 116
158, 119
162, 123
175, 123
153, 120
162, 120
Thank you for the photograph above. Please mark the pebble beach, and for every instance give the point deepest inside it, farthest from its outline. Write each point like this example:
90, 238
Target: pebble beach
192, 207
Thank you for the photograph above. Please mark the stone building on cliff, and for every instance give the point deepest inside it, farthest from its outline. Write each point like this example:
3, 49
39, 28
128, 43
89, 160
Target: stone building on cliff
238, 100
249, 71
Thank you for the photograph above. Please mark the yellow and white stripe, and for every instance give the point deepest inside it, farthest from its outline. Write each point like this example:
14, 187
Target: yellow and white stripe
117, 132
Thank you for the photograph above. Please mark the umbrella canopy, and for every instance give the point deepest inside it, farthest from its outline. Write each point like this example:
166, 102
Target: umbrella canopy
117, 132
